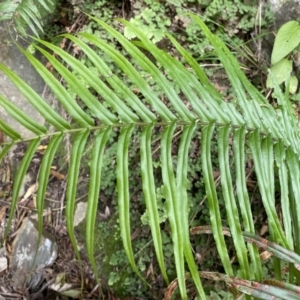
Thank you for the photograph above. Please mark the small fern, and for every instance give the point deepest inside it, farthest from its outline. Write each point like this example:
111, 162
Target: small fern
26, 13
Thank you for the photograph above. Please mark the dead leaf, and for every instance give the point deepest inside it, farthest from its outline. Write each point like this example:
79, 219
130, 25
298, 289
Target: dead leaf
3, 264
57, 175
42, 147
60, 286
264, 229
150, 272
3, 211
8, 247
135, 234
80, 213
65, 290
31, 190
106, 214
265, 255
46, 213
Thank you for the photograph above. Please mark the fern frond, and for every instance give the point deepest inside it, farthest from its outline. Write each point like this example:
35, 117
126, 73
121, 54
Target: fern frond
249, 119
26, 13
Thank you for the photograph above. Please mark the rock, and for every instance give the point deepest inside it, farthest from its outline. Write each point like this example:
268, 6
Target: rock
12, 58
26, 262
3, 259
289, 11
80, 213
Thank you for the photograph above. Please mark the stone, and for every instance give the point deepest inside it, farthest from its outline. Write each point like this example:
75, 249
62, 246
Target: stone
28, 259
80, 213
11, 57
288, 11
3, 259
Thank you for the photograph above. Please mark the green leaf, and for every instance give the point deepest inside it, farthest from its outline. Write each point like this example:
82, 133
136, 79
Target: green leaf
99, 86
134, 76
280, 158
174, 216
243, 198
85, 95
181, 204
212, 198
7, 9
281, 71
75, 160
294, 178
123, 194
44, 177
148, 66
7, 130
18, 180
5, 150
293, 85
229, 199
287, 39
150, 196
93, 195
25, 13
263, 163
115, 82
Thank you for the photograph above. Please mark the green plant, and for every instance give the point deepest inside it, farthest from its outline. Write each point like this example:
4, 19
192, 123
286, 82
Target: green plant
26, 13
229, 20
286, 41
151, 17
192, 104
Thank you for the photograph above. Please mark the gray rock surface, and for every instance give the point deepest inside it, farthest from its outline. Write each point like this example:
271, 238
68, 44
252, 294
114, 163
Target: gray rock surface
28, 258
277, 4
288, 11
12, 58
